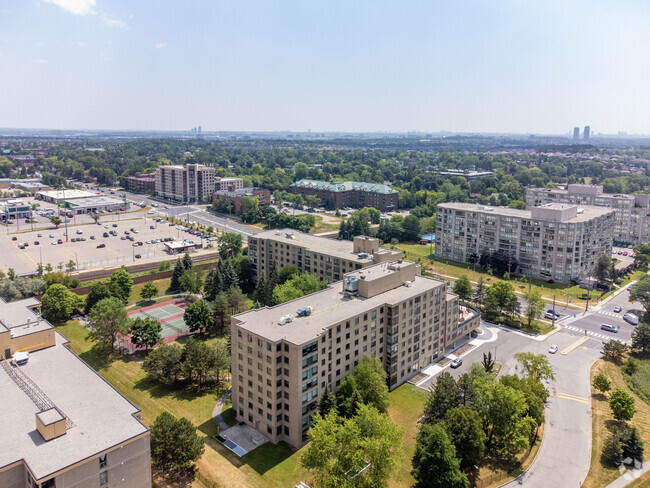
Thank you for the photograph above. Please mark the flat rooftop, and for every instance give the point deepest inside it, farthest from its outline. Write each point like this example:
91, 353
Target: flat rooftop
565, 191
330, 307
586, 212
95, 200
20, 319
102, 417
340, 186
69, 194
323, 245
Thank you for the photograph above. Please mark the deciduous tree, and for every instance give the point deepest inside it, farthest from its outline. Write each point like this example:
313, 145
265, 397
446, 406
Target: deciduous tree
107, 319
149, 290
145, 332
463, 288
58, 303
121, 284
198, 316
435, 464
622, 405
174, 442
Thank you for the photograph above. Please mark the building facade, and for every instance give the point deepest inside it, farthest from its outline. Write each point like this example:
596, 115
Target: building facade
329, 259
353, 194
141, 183
192, 183
553, 242
63, 425
281, 364
236, 197
632, 212
228, 184
15, 209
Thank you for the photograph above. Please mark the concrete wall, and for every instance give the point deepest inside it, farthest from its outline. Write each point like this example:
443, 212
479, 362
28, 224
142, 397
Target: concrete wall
14, 477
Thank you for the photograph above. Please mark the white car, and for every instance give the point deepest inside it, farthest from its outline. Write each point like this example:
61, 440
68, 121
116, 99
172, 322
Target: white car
552, 349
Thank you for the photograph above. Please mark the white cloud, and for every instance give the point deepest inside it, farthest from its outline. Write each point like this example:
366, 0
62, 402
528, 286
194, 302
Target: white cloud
41, 61
77, 7
110, 21
160, 45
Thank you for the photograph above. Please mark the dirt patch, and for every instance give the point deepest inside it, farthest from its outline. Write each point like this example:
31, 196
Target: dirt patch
417, 378
464, 349
444, 361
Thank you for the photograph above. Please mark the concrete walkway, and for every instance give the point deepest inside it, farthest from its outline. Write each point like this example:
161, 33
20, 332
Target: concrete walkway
629, 476
216, 412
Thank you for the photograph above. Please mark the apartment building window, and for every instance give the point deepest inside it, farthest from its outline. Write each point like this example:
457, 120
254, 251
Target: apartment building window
103, 478
102, 461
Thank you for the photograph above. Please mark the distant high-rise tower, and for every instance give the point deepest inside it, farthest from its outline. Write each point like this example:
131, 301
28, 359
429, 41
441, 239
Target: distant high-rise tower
199, 128
576, 133
586, 133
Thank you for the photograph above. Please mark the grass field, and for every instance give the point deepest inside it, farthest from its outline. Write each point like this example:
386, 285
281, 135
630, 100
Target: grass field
639, 382
602, 421
322, 226
162, 285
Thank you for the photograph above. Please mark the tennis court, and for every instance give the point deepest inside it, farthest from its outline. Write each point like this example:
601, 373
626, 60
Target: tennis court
169, 314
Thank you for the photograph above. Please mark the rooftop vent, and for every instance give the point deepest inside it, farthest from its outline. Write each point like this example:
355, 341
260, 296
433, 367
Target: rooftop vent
408, 284
581, 210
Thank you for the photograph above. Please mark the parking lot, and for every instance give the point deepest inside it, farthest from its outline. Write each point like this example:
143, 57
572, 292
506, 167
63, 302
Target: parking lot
94, 246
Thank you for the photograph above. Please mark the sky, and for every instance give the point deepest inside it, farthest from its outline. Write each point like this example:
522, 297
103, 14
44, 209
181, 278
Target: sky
515, 66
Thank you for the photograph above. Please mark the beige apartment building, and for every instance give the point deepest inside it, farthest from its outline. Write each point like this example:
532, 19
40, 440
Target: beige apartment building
632, 212
62, 424
552, 242
192, 183
228, 184
284, 356
329, 259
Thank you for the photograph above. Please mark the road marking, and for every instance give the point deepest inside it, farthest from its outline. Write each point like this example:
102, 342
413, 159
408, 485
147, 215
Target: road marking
566, 396
574, 345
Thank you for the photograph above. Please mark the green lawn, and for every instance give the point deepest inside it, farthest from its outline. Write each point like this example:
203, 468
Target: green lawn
321, 226
639, 382
162, 285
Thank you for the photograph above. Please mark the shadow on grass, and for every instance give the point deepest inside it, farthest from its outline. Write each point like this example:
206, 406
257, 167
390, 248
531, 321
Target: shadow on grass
229, 416
268, 456
100, 356
182, 478
509, 465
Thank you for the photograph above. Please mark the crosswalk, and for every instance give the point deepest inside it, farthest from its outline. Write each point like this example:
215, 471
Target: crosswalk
589, 333
605, 312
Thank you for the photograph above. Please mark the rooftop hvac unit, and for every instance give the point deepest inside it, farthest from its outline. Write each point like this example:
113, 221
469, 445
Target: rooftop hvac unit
288, 235
282, 320
289, 318
363, 255
351, 285
408, 284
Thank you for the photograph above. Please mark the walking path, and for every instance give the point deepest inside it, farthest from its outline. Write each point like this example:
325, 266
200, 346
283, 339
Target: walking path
216, 412
629, 476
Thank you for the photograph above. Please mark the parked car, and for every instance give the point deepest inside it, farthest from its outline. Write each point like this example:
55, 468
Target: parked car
114, 225
101, 246
14, 238
105, 234
552, 349
456, 363
137, 256
36, 243
79, 231
92, 238
73, 239
59, 241
39, 235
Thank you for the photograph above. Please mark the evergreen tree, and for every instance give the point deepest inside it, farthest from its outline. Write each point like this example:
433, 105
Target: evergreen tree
261, 292
213, 284
632, 444
175, 283
187, 261
435, 464
273, 279
327, 402
229, 276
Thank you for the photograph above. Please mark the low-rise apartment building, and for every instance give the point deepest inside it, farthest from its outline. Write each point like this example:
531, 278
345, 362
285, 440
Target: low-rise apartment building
191, 183
632, 212
329, 259
552, 242
236, 197
228, 184
141, 183
62, 424
284, 356
355, 194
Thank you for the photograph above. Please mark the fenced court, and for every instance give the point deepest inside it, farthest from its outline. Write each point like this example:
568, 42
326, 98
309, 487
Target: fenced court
170, 316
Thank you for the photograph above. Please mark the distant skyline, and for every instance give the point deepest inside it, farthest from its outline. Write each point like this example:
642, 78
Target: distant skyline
362, 66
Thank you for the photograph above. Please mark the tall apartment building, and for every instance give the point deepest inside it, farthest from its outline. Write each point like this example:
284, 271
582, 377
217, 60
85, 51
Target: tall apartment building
62, 424
555, 241
632, 212
587, 133
576, 133
191, 183
354, 194
329, 259
280, 364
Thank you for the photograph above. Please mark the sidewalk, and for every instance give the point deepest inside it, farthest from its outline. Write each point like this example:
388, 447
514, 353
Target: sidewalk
629, 476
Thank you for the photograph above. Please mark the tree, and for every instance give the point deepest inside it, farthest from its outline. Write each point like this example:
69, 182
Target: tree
612, 454
70, 267
221, 358
346, 396
622, 405
230, 245
261, 293
630, 367
602, 384
614, 350
444, 396
212, 285
435, 464
192, 281
326, 402
175, 282
236, 300
499, 297
296, 287
641, 338
145, 332
220, 308
149, 290
479, 291
164, 363
411, 226
198, 316
534, 305
55, 221
370, 376
229, 277
463, 288
287, 273
465, 432
107, 319
121, 284
632, 444
58, 303
488, 362
174, 442
536, 366
98, 292
340, 450
601, 271
640, 291
199, 361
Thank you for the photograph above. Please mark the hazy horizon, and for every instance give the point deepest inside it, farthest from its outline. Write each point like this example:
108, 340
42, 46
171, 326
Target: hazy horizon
468, 67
